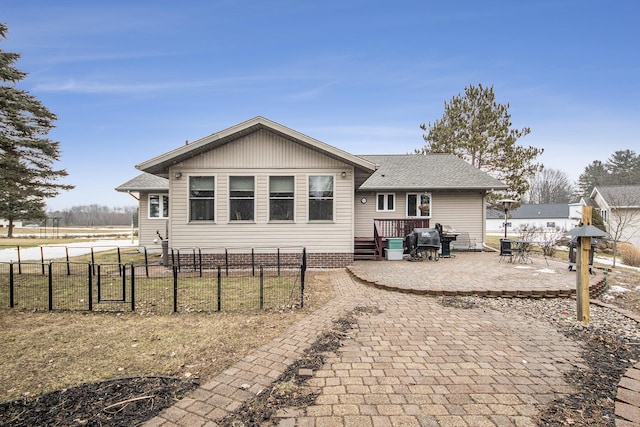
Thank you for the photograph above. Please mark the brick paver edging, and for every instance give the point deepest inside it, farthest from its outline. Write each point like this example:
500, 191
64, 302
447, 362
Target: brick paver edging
627, 407
596, 289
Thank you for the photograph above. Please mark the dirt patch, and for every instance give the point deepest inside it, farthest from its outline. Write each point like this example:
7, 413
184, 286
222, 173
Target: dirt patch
623, 290
119, 402
457, 302
607, 358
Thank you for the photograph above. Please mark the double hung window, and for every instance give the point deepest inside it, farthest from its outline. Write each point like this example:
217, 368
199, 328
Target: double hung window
321, 198
281, 198
419, 205
201, 198
386, 202
241, 198
158, 206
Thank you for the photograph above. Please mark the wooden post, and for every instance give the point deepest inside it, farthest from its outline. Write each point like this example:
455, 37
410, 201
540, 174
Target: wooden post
582, 269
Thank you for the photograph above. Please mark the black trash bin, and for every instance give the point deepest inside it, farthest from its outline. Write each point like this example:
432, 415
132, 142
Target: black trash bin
573, 246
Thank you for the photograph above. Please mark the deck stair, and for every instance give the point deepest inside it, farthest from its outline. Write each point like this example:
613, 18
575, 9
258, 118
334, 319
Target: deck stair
364, 249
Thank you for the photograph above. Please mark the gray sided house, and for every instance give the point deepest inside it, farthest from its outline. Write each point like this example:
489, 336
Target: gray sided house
619, 206
562, 216
259, 184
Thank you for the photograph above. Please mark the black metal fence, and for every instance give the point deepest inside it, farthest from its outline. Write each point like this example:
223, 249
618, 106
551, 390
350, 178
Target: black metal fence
151, 288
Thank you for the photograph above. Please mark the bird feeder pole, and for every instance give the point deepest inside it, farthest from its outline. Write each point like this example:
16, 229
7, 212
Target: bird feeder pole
582, 269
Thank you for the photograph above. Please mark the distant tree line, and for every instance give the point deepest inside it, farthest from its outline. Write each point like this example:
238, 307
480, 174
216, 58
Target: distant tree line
95, 216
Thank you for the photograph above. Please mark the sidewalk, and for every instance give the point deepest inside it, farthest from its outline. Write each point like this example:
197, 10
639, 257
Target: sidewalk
60, 251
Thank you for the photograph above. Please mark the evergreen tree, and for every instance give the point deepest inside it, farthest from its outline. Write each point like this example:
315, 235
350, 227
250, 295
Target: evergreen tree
27, 175
478, 129
594, 175
624, 167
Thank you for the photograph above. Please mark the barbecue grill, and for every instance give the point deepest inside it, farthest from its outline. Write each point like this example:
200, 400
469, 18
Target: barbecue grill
447, 235
424, 242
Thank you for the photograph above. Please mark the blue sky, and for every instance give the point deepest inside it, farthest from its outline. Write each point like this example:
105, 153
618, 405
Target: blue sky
130, 80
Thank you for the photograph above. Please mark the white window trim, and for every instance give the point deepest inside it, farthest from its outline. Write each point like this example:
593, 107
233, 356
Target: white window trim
215, 200
386, 202
417, 200
161, 197
333, 198
295, 198
255, 200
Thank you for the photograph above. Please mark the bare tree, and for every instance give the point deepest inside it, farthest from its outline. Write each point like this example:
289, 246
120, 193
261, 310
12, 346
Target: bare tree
549, 186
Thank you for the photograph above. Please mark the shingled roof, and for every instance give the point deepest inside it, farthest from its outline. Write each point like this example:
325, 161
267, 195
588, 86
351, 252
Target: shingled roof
533, 211
145, 182
619, 196
427, 172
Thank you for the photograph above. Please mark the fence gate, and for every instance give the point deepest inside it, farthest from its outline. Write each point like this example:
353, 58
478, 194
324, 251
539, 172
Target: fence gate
112, 283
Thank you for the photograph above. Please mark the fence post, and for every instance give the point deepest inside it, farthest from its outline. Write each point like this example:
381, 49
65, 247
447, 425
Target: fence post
42, 259
11, 304
303, 269
146, 261
253, 265
133, 288
226, 260
90, 281
119, 259
66, 250
50, 286
220, 287
278, 262
200, 260
123, 272
175, 289
19, 262
194, 259
261, 287
93, 262
99, 281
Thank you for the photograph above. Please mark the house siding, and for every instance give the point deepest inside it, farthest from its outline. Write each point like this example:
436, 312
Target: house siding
497, 225
456, 209
263, 154
147, 226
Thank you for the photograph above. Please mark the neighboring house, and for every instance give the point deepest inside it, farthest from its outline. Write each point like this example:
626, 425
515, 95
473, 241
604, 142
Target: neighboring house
619, 207
260, 184
562, 216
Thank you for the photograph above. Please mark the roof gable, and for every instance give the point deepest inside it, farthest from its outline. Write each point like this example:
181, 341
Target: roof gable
160, 165
427, 172
619, 196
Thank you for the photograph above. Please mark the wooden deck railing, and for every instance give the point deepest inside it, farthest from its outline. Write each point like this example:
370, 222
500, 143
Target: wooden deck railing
384, 228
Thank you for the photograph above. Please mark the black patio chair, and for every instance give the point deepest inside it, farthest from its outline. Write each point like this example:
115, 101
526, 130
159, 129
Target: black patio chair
506, 250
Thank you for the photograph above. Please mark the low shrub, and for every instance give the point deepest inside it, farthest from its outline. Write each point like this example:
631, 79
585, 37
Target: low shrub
629, 254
